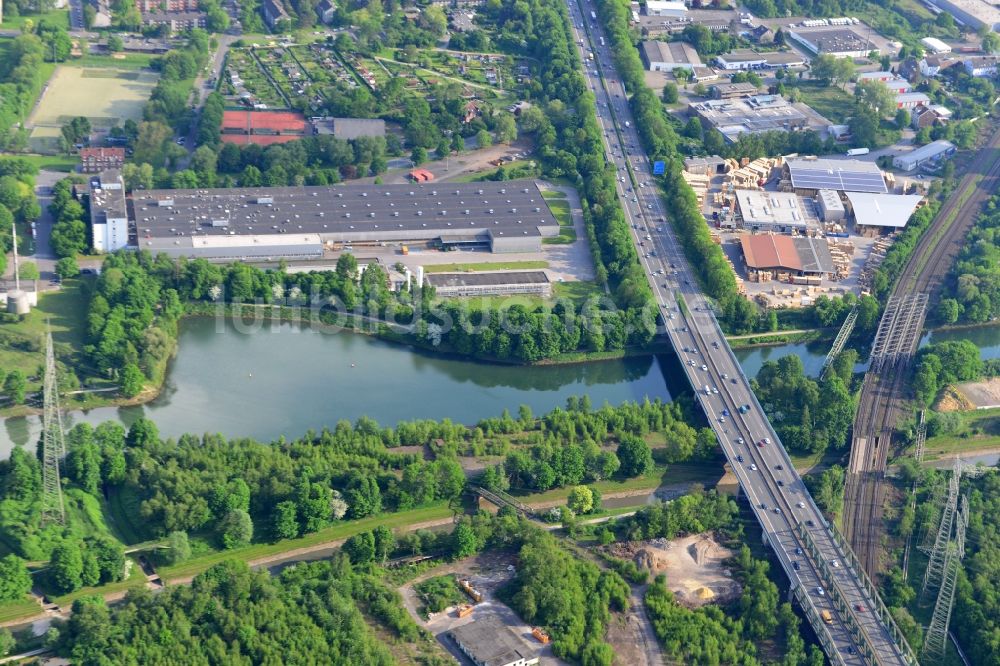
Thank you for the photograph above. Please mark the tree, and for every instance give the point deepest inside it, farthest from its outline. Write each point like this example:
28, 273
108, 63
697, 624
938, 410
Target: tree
284, 521
876, 97
29, 270
15, 386
115, 43
991, 42
67, 268
463, 541
236, 529
634, 455
864, 128
581, 500
360, 548
15, 580
483, 139
385, 543
66, 567
418, 156
670, 93
180, 547
132, 380
506, 128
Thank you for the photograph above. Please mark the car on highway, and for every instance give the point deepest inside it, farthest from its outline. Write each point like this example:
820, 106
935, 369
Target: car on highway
796, 565
781, 483
767, 440
763, 506
810, 523
777, 510
835, 564
798, 550
739, 458
860, 608
725, 411
704, 368
741, 440
722, 419
753, 468
801, 505
760, 443
779, 467
820, 592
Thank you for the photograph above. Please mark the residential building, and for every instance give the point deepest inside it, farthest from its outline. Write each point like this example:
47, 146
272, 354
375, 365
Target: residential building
668, 56
909, 69
762, 35
984, 66
928, 116
930, 154
95, 160
175, 21
273, 12
150, 6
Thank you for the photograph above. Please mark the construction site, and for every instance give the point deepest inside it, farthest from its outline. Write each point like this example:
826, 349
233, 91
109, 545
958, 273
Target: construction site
794, 228
695, 566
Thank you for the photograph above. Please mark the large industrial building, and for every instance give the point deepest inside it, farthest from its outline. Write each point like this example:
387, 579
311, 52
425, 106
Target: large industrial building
670, 8
507, 283
752, 115
668, 56
741, 59
758, 210
974, 13
882, 211
108, 212
489, 642
798, 255
808, 175
841, 42
932, 153
299, 222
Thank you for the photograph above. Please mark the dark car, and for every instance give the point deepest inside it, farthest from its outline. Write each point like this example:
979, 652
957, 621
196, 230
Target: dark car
796, 565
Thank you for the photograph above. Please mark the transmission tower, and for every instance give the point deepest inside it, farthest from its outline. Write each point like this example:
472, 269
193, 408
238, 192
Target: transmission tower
918, 450
939, 554
937, 633
53, 443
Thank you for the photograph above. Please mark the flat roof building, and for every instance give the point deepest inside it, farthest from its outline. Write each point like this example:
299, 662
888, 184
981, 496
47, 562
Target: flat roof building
933, 152
808, 175
489, 642
841, 42
882, 210
831, 208
751, 115
108, 212
935, 45
973, 13
911, 100
511, 216
742, 59
665, 8
758, 210
349, 128
504, 283
668, 56
732, 90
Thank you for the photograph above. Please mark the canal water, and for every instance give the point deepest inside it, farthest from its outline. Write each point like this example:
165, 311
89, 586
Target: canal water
284, 379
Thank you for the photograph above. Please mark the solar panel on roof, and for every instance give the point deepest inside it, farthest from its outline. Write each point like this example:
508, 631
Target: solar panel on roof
836, 179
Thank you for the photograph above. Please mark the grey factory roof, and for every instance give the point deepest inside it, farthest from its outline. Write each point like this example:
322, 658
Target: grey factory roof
833, 39
841, 175
505, 209
486, 279
491, 642
814, 253
107, 196
673, 52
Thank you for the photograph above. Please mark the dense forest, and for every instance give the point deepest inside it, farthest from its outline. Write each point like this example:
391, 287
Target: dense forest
975, 278
944, 363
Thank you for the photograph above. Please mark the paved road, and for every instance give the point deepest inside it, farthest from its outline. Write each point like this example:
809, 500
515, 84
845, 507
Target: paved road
790, 519
202, 91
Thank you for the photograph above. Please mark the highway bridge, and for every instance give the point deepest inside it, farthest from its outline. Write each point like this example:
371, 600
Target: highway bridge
823, 573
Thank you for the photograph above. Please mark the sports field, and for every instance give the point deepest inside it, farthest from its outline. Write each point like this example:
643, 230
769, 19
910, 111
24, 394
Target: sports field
105, 96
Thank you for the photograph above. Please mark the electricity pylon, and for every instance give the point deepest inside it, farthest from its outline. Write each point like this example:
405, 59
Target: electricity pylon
935, 641
53, 442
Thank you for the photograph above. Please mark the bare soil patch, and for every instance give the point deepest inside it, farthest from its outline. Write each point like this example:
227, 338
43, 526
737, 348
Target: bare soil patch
972, 395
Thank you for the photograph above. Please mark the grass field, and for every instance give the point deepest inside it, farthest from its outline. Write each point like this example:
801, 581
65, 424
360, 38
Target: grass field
486, 266
12, 610
105, 96
831, 102
58, 17
980, 429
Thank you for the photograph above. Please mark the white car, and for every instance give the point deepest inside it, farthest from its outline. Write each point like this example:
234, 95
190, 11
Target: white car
835, 564
820, 592
801, 505
753, 468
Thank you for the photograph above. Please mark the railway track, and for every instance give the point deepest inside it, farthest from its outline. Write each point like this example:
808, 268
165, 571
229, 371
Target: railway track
885, 394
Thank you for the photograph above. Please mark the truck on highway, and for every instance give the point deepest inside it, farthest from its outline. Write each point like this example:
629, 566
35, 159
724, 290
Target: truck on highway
857, 151
602, 41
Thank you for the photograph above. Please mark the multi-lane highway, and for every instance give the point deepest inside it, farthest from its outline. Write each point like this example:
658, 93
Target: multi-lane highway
820, 569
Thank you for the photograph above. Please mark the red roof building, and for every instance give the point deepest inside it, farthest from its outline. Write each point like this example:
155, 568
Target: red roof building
770, 252
421, 175
95, 160
262, 127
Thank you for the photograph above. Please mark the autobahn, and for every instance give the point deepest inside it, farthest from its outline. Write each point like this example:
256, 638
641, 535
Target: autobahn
823, 573
885, 394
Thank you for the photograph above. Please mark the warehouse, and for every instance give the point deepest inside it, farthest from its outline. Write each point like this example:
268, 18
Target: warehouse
930, 154
742, 59
665, 8
801, 255
773, 211
668, 56
840, 42
108, 211
935, 45
976, 14
507, 283
489, 642
831, 208
808, 175
349, 128
511, 216
751, 115
911, 100
732, 90
882, 211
